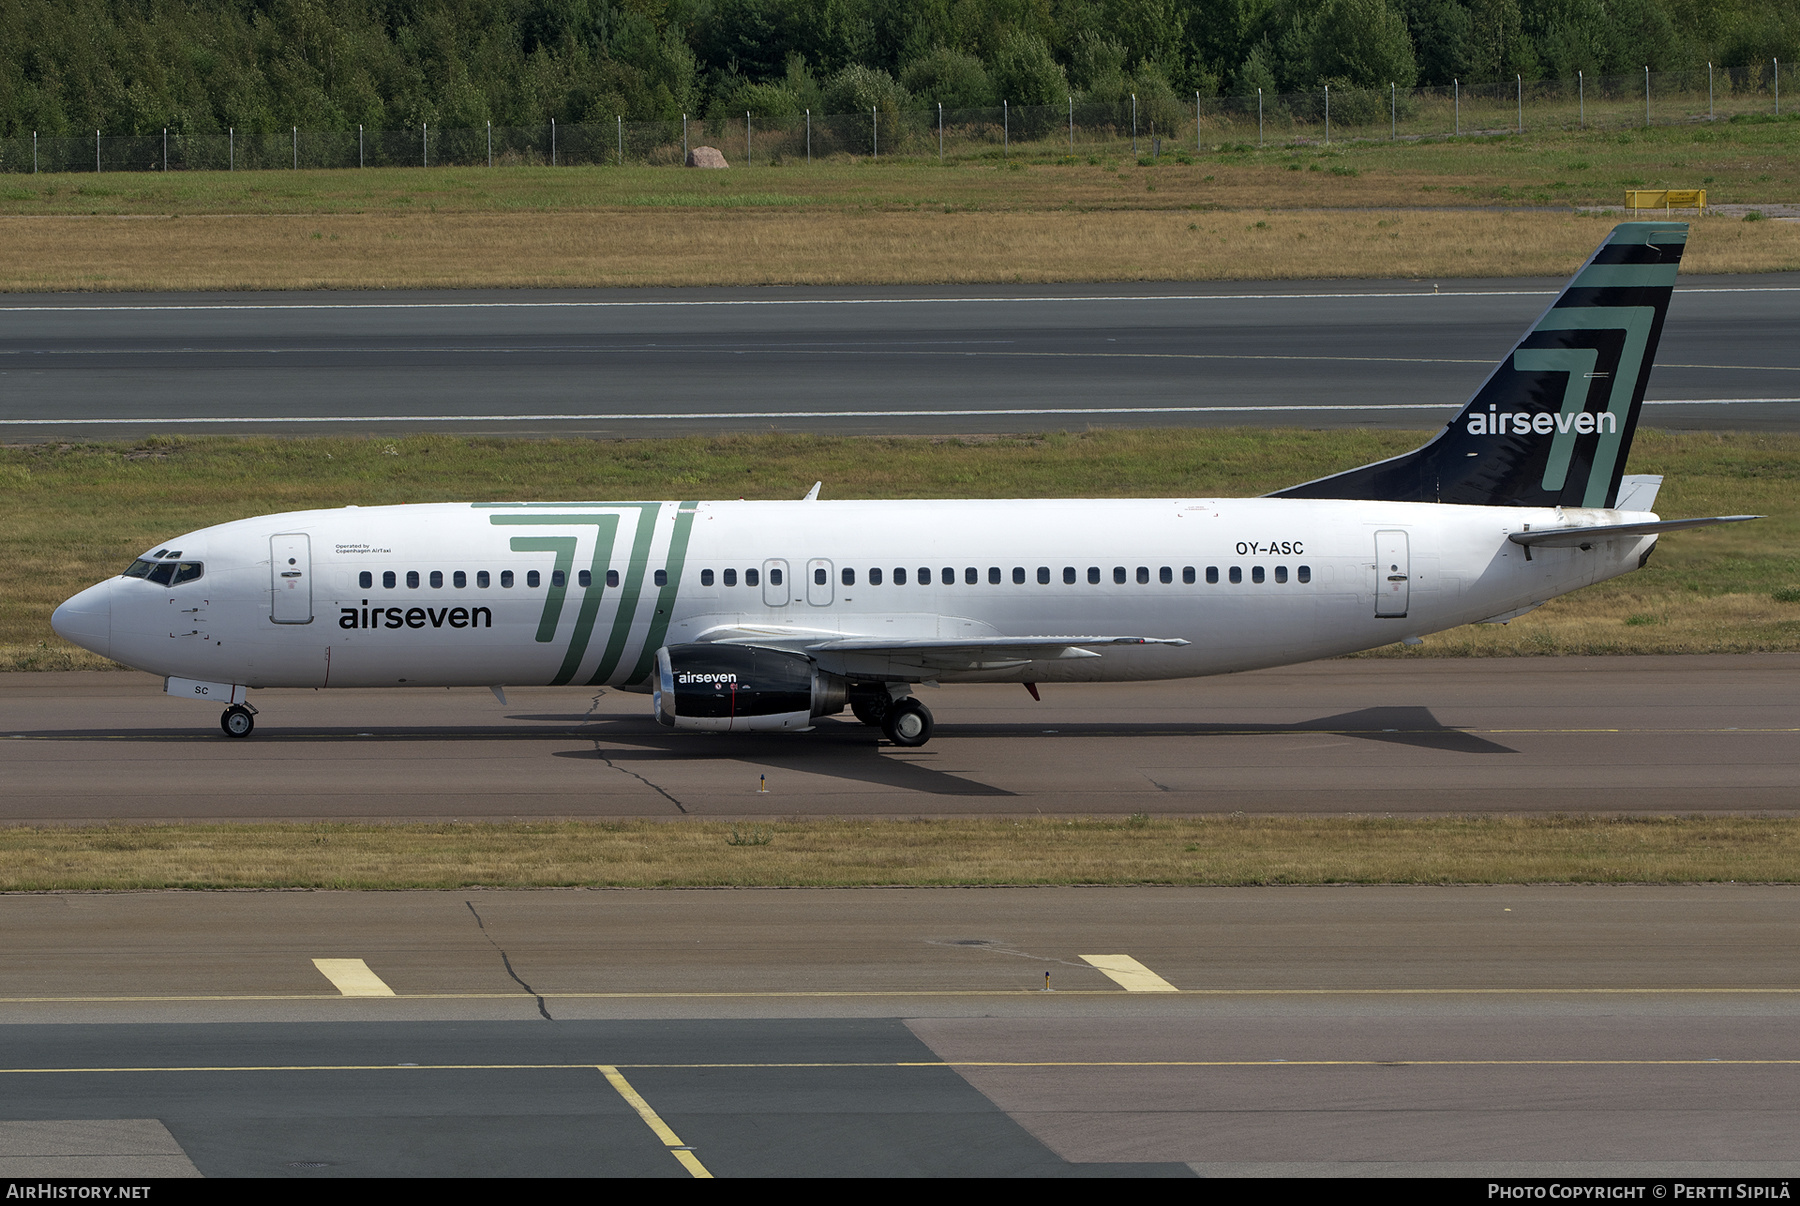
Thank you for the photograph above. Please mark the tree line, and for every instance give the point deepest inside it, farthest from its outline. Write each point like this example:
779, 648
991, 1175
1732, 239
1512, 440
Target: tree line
200, 66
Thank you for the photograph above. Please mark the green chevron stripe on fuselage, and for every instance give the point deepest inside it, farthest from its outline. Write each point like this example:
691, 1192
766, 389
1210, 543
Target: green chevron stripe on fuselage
665, 600
606, 529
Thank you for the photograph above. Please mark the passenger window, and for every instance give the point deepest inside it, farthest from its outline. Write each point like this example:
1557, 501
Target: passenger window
899, 575
949, 576
1143, 575
412, 579
1212, 575
875, 576
584, 577
730, 577
1018, 575
387, 579
1043, 575
161, 574
993, 575
971, 576
1068, 575
774, 578
1237, 574
1093, 575
706, 578
661, 577
139, 569
557, 579
1281, 573
1187, 574
752, 577
1165, 575
1305, 573
437, 579
187, 571
531, 577
1119, 574
612, 577
459, 579
481, 579
506, 579
365, 579
1256, 574
924, 575
819, 576
849, 576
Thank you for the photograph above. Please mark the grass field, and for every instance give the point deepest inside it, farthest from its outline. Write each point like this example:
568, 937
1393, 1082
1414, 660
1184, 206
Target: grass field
1229, 850
1472, 206
79, 513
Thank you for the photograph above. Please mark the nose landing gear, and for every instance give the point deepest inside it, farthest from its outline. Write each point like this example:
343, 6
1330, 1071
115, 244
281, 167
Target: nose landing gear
238, 721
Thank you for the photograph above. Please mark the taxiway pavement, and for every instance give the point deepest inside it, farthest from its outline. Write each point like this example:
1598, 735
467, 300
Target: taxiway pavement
1624, 734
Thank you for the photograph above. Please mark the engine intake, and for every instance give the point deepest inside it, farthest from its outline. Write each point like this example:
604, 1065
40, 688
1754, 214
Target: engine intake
741, 688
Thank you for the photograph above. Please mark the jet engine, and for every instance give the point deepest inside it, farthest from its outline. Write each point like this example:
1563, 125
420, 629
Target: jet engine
741, 688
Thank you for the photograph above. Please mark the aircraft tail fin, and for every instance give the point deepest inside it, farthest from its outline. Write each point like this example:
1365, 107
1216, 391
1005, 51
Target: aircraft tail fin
1552, 424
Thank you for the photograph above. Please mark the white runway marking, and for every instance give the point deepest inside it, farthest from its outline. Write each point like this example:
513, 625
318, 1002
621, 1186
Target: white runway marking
353, 978
715, 415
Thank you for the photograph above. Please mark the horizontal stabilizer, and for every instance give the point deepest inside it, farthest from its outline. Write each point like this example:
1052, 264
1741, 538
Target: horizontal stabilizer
1572, 538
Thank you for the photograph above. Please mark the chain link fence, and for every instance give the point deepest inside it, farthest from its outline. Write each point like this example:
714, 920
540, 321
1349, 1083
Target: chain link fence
1140, 127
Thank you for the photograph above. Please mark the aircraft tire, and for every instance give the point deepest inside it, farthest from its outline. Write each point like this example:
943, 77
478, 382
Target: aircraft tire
869, 711
907, 723
237, 721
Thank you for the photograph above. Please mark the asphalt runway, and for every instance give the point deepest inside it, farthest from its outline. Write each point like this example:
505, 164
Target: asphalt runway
1629, 734
849, 360
1491, 1032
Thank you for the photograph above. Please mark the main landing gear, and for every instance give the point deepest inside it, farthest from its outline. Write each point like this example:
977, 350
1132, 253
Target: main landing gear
239, 720
905, 721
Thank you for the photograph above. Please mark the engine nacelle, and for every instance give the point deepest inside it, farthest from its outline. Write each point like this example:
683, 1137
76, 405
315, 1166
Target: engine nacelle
740, 688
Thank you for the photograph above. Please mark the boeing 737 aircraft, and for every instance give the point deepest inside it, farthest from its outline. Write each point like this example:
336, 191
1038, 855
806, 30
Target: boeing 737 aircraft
769, 615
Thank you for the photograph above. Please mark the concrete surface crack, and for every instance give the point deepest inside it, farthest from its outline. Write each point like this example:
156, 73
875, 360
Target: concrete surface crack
623, 770
507, 963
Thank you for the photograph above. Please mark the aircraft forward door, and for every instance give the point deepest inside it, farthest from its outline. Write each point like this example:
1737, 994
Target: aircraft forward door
818, 583
290, 567
1393, 574
775, 583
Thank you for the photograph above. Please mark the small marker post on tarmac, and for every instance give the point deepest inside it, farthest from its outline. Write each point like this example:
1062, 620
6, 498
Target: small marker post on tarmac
1046, 981
762, 784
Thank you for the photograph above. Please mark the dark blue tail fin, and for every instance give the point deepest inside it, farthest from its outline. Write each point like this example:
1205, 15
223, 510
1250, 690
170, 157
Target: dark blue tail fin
1552, 425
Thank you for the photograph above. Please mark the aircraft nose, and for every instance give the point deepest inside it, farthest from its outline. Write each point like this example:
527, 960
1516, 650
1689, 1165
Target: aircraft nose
86, 619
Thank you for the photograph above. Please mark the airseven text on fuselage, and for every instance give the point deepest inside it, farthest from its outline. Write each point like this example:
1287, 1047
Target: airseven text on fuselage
414, 617
1525, 422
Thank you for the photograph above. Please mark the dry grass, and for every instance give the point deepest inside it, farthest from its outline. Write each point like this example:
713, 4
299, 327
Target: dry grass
1137, 850
685, 246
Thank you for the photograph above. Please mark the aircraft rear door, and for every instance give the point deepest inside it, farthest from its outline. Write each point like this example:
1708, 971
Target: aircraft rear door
290, 567
1393, 574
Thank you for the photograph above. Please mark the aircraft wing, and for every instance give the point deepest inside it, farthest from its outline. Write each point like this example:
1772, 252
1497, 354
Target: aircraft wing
1569, 538
928, 654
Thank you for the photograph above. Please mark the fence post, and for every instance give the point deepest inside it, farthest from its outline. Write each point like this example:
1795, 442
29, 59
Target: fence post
875, 128
809, 135
296, 130
1777, 87
1327, 114
1134, 149
1580, 101
490, 138
940, 105
1005, 129
620, 119
1259, 120
34, 152
1071, 123
165, 148
1646, 97
1456, 102
746, 138
360, 160
424, 144
684, 146
1196, 121
231, 151
1393, 112
552, 142
1521, 82
96, 152
1709, 91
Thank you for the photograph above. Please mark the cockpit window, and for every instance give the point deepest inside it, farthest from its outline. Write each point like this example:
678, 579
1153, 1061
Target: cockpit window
140, 568
162, 573
166, 573
188, 571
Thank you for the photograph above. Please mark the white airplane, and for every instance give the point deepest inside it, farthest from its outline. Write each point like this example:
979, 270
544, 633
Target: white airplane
768, 615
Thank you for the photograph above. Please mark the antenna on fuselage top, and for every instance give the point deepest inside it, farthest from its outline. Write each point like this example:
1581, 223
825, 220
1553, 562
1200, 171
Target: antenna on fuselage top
812, 495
